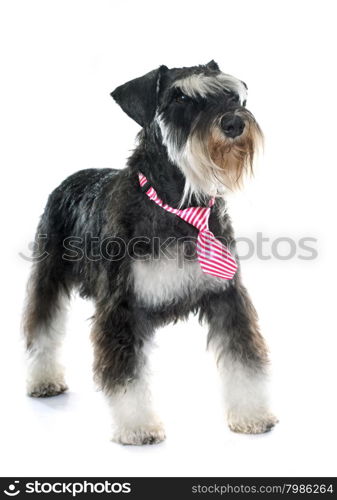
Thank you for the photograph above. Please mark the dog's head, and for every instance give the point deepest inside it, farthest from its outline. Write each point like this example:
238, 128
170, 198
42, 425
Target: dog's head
200, 115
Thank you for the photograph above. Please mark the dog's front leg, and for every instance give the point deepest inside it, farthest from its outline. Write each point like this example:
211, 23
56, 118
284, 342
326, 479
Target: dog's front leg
121, 346
242, 359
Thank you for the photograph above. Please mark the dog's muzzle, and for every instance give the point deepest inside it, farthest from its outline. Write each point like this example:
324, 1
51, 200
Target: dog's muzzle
232, 125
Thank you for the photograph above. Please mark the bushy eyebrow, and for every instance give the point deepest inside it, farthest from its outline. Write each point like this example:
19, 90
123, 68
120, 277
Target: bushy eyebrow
203, 85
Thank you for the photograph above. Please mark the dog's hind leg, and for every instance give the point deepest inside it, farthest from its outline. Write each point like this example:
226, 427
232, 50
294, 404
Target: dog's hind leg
242, 359
43, 326
122, 341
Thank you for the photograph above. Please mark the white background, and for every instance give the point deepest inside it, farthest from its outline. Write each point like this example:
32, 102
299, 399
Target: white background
59, 62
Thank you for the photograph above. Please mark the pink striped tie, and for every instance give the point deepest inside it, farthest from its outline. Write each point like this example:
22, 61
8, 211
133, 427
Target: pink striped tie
213, 256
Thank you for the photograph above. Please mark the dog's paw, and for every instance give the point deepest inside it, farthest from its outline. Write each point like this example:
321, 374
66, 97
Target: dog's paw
253, 424
46, 389
146, 434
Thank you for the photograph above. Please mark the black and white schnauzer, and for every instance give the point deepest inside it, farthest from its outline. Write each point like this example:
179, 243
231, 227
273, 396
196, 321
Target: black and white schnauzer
150, 244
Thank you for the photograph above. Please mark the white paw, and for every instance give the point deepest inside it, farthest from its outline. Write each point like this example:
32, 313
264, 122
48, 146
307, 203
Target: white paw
145, 434
252, 424
46, 388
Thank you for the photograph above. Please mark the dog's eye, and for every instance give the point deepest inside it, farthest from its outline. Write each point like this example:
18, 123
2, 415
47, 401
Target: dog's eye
182, 98
234, 98
244, 103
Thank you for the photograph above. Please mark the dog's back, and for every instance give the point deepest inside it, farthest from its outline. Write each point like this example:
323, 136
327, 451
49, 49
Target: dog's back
73, 201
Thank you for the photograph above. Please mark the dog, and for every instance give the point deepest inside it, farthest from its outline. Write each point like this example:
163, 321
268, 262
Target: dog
151, 243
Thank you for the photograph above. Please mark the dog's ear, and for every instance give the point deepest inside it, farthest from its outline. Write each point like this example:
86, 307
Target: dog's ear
213, 65
138, 97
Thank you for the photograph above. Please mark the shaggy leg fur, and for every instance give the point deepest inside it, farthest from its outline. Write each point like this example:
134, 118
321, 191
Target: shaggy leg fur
121, 342
44, 323
242, 359
135, 420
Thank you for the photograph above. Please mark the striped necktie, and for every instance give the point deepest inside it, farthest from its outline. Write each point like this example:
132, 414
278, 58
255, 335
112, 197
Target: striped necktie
214, 258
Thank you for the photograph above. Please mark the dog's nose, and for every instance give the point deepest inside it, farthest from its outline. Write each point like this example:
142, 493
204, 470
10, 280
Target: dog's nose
232, 126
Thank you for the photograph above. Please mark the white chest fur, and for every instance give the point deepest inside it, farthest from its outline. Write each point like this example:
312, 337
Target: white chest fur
168, 280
